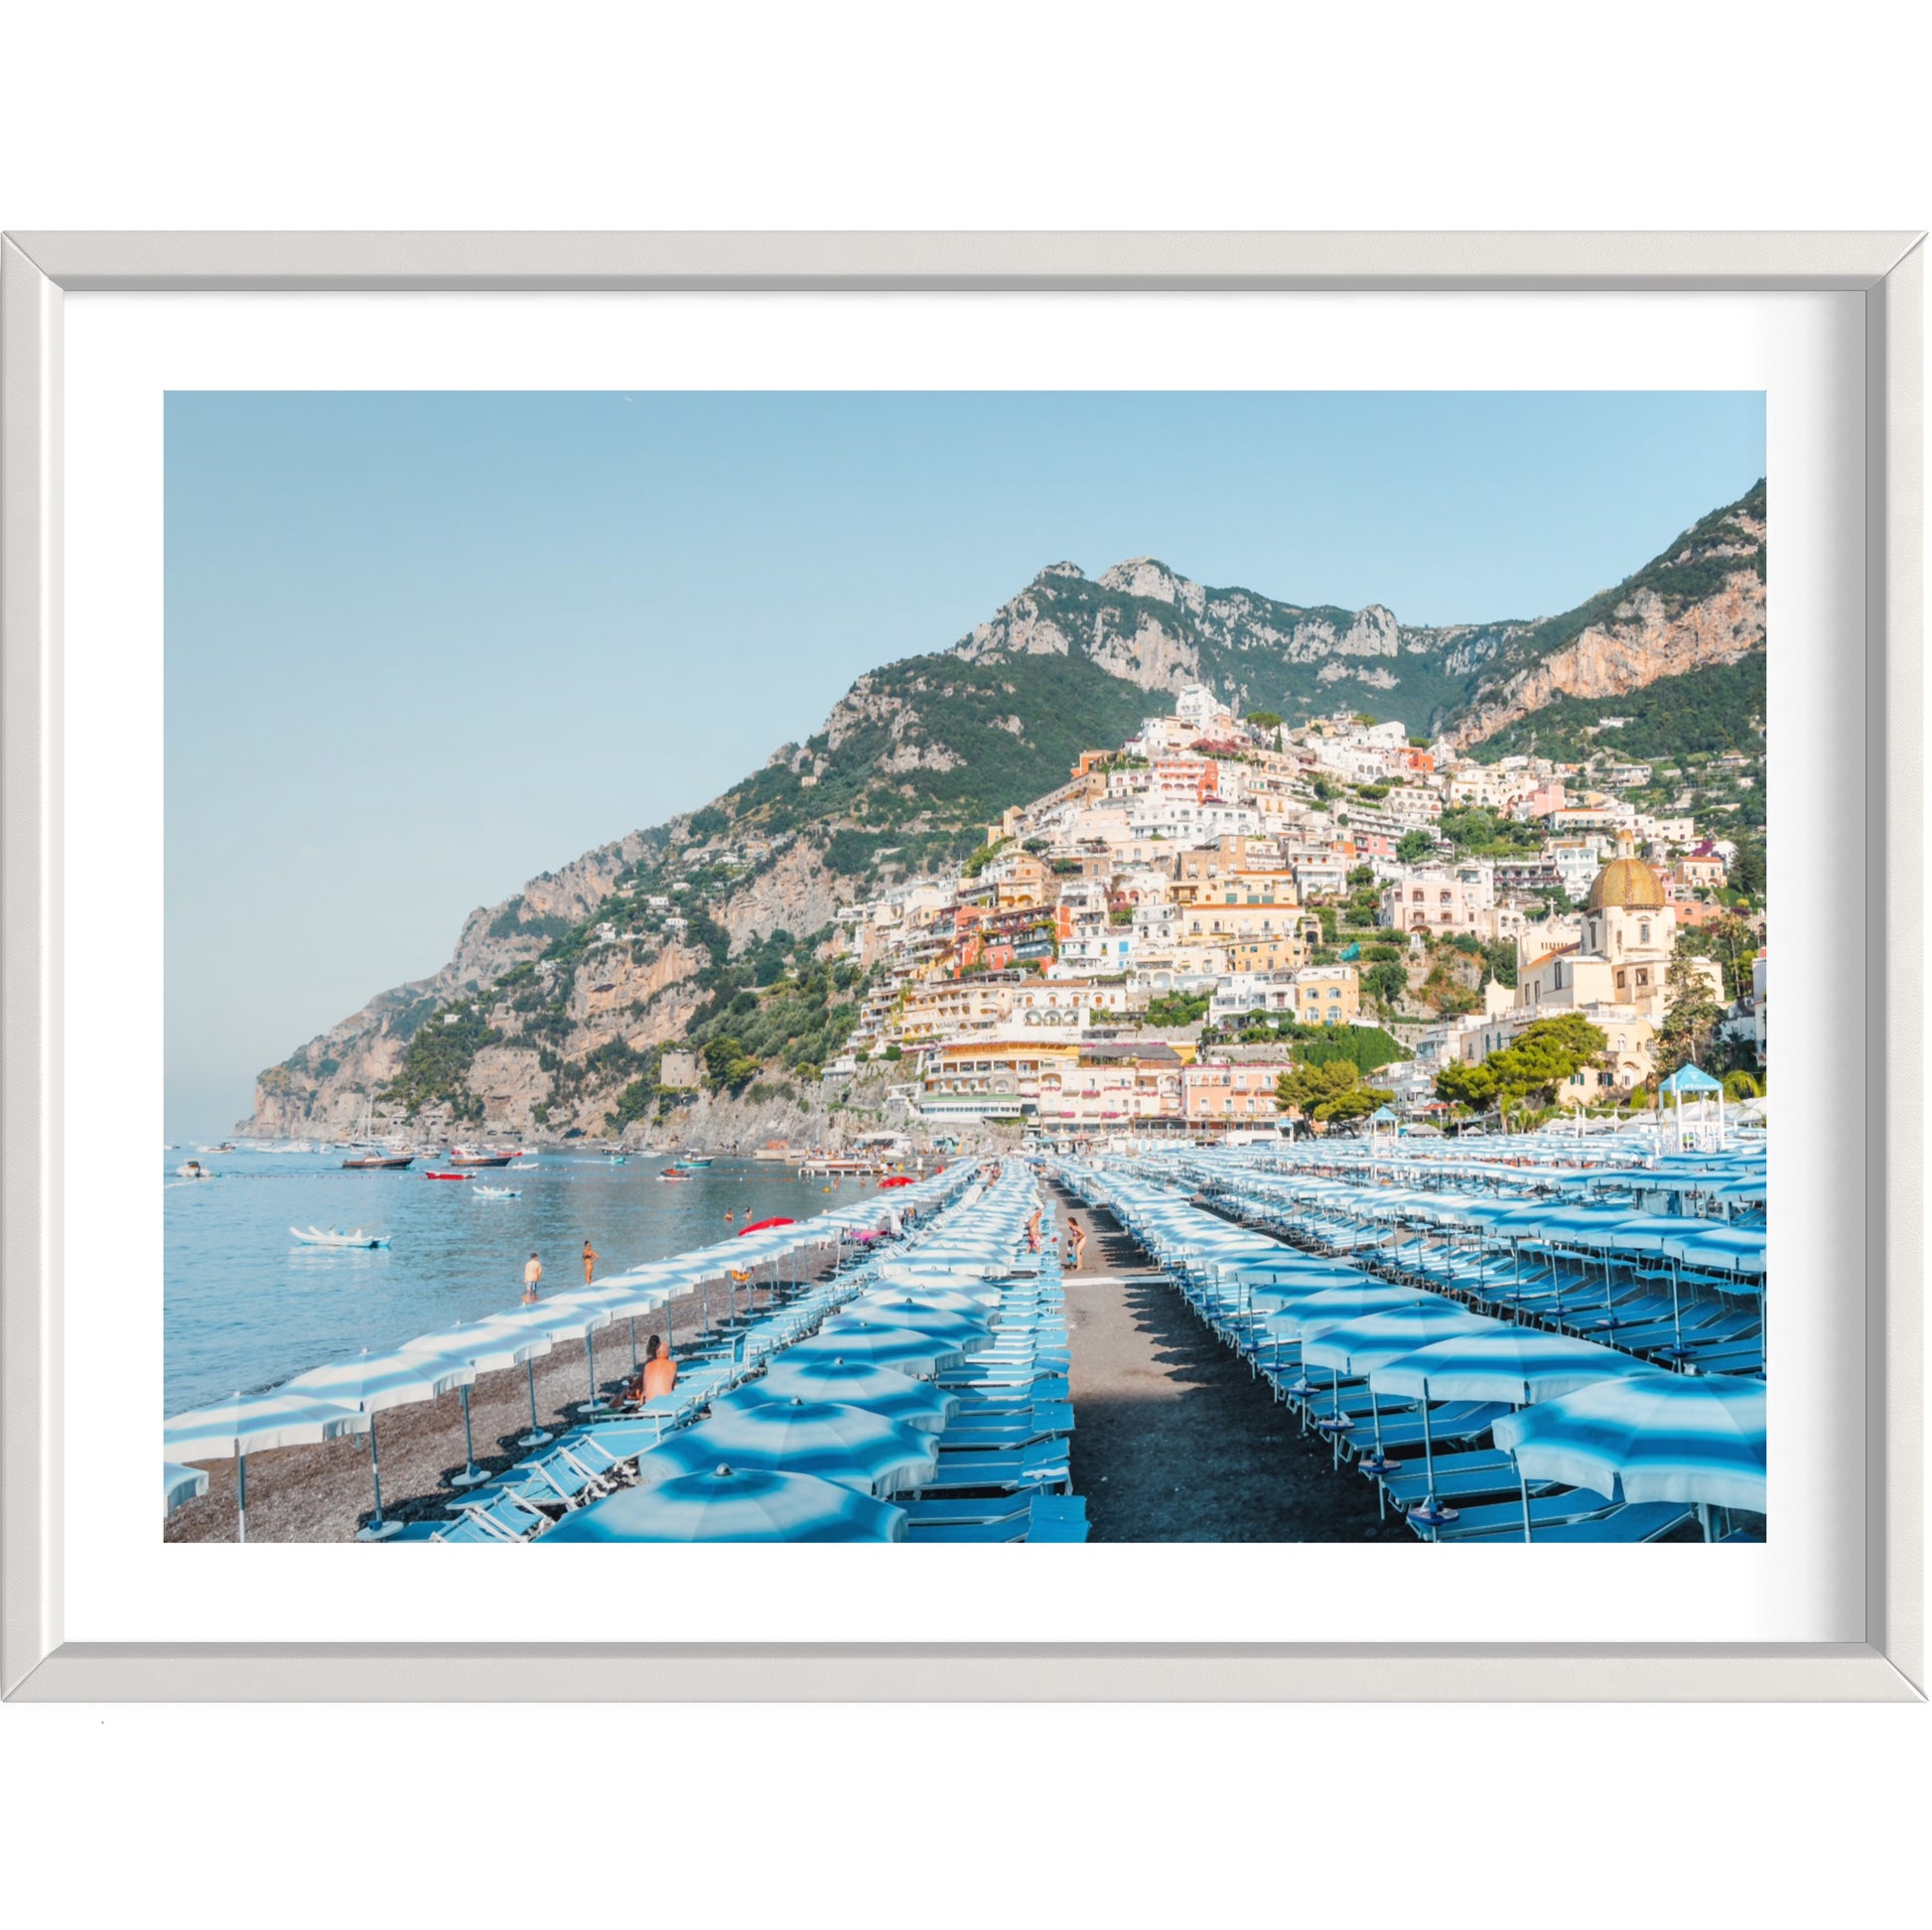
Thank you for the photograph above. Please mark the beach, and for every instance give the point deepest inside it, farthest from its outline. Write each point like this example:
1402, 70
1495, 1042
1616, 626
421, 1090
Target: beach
322, 1493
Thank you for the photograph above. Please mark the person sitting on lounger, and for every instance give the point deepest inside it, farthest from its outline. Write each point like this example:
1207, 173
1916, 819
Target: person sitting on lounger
1033, 1232
660, 1370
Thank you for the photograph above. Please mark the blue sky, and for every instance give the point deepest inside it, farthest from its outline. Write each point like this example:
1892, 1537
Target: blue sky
423, 645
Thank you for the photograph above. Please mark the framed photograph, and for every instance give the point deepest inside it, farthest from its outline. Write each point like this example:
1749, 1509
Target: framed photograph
786, 904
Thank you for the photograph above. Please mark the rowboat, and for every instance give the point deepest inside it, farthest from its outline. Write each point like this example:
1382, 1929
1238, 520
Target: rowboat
315, 1236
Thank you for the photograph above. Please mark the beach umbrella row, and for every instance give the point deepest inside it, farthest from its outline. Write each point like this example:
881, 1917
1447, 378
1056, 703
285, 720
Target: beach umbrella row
251, 1424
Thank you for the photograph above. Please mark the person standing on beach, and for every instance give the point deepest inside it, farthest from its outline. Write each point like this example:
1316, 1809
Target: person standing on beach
1077, 1235
1033, 1232
532, 1274
591, 1258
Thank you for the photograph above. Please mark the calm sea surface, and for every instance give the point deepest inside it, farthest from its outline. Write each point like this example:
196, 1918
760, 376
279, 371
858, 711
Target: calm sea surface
247, 1306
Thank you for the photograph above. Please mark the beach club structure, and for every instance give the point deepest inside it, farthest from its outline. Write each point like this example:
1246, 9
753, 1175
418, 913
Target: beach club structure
894, 1370
1562, 1341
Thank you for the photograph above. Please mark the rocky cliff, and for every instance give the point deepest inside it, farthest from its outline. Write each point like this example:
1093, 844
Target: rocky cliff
1700, 604
710, 931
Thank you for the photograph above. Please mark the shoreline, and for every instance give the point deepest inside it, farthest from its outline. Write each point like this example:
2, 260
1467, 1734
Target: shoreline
322, 1493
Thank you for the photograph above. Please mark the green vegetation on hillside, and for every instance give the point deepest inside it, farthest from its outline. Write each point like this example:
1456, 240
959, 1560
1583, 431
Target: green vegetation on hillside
1717, 708
436, 1067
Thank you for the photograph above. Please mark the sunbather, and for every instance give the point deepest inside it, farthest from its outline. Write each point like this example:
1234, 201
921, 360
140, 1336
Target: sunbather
660, 1370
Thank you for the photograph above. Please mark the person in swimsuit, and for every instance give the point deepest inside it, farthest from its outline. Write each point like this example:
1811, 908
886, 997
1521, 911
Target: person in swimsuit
591, 1258
532, 1274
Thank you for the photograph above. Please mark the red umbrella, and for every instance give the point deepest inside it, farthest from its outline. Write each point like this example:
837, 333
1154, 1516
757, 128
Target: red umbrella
902, 1181
758, 1226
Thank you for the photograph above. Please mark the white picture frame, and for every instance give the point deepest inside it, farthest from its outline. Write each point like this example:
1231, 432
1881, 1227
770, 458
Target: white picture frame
1884, 270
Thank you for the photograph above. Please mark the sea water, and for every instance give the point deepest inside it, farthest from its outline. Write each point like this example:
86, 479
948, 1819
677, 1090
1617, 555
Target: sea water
246, 1305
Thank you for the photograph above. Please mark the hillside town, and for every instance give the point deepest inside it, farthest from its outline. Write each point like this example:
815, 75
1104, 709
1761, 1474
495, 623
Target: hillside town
1228, 928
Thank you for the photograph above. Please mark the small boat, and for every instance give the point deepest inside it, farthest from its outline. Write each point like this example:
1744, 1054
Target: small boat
379, 1162
698, 1158
676, 1173
469, 1156
446, 1175
524, 1165
497, 1193
315, 1236
193, 1170
615, 1159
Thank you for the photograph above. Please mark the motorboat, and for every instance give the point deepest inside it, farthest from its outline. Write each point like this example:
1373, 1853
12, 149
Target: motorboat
446, 1175
698, 1158
379, 1162
315, 1236
470, 1156
676, 1173
193, 1170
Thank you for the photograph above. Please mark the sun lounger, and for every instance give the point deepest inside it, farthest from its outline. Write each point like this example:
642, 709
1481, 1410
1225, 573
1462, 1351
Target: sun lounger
1640, 1521
1496, 1517
498, 1512
964, 1435
1479, 1476
1045, 1466
959, 1510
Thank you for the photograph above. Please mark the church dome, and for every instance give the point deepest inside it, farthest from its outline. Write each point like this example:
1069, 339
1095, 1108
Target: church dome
1626, 883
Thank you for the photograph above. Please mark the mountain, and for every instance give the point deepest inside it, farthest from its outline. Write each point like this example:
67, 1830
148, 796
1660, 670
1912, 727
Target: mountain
557, 1003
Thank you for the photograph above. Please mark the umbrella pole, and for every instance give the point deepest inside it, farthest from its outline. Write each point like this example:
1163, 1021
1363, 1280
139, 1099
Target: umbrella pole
536, 1436
593, 1405
378, 1529
633, 1343
241, 1497
1676, 1317
1523, 1483
472, 1474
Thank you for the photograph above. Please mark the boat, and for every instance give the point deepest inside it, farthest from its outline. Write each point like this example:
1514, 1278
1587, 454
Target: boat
193, 1170
446, 1175
469, 1156
497, 1193
379, 1162
315, 1236
676, 1173
616, 1159
524, 1165
698, 1158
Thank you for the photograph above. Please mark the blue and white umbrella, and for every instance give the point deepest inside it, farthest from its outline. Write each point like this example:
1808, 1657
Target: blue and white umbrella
489, 1348
552, 1321
1356, 1347
934, 1300
1513, 1363
907, 1349
373, 1382
179, 1484
733, 1504
1697, 1439
1731, 1249
855, 1383
252, 1424
848, 1445
970, 1336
